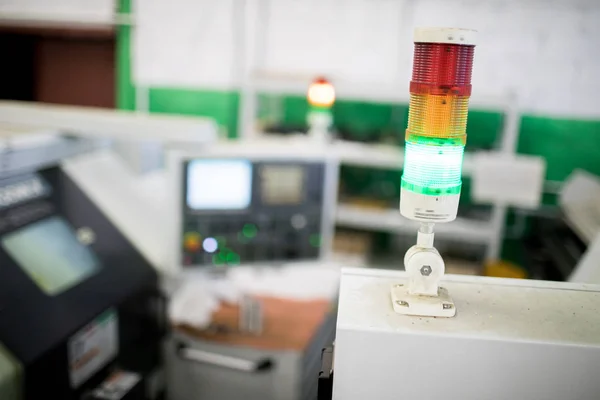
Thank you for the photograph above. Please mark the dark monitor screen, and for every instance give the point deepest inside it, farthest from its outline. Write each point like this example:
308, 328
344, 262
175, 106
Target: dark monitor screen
50, 253
282, 184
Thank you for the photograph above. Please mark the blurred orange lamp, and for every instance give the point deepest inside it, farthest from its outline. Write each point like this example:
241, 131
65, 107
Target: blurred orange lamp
320, 96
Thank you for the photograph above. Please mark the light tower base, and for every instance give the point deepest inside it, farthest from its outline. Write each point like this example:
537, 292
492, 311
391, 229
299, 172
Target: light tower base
426, 208
424, 306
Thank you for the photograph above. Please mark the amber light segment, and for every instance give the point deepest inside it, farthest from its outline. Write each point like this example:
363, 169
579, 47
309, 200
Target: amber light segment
438, 116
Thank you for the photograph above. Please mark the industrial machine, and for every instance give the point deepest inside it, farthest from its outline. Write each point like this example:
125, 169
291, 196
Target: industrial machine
566, 246
81, 312
79, 305
129, 159
266, 201
266, 205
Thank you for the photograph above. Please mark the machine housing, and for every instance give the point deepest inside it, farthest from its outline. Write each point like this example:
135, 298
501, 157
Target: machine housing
509, 339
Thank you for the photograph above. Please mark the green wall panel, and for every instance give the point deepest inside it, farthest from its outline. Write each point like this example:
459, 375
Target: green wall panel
220, 105
484, 129
125, 88
566, 144
361, 120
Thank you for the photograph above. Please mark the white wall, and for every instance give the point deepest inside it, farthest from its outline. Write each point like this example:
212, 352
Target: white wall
547, 52
80, 11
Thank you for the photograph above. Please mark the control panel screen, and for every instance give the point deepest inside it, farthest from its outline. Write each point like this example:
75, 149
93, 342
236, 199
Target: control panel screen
279, 211
219, 184
49, 252
282, 184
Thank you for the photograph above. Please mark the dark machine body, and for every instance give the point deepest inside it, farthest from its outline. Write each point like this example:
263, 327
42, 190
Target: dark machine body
553, 249
45, 331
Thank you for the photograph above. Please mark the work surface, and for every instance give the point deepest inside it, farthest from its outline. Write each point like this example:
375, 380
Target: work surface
487, 308
288, 325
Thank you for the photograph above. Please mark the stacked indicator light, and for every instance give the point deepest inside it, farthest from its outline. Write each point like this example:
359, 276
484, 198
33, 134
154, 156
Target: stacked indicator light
320, 96
437, 122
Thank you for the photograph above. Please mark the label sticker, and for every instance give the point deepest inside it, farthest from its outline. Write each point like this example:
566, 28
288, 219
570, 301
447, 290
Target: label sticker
93, 347
117, 386
22, 189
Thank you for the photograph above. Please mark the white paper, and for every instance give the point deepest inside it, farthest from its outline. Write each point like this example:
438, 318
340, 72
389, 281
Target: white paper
580, 201
586, 270
513, 180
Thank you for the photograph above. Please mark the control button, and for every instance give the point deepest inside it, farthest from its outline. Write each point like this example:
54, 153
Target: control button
249, 231
86, 236
315, 240
298, 221
192, 241
210, 245
264, 219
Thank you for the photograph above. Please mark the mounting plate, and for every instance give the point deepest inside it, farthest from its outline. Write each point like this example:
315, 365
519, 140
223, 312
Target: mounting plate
424, 306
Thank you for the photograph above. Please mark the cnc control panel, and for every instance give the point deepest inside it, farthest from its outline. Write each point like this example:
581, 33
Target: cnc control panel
238, 210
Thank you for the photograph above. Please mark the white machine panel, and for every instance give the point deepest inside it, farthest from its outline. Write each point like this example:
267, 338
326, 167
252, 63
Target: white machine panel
510, 339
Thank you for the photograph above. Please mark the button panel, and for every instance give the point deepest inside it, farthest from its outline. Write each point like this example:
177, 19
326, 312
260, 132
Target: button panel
262, 233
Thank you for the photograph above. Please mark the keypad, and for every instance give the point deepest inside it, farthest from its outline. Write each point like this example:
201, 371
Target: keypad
267, 238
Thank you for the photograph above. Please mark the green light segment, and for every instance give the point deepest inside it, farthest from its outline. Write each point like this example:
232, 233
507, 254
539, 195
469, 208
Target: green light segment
432, 169
429, 191
433, 141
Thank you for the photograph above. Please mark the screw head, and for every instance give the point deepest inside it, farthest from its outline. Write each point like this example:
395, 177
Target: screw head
402, 303
86, 236
447, 306
426, 270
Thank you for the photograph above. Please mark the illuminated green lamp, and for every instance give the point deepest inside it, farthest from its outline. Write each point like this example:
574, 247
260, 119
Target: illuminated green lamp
433, 169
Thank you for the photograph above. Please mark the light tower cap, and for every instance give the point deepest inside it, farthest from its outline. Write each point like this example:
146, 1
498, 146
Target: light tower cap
466, 37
